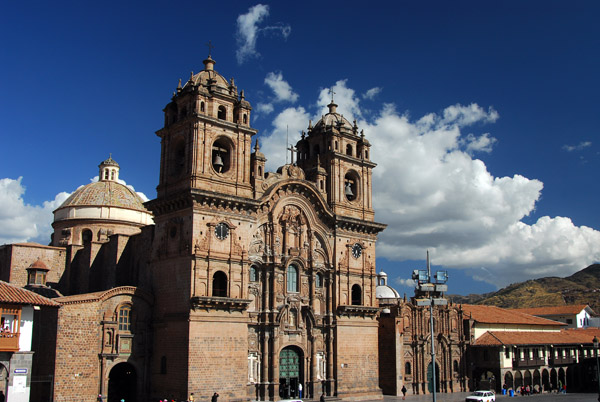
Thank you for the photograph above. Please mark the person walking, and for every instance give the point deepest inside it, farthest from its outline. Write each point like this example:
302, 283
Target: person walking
403, 392
215, 398
322, 398
300, 390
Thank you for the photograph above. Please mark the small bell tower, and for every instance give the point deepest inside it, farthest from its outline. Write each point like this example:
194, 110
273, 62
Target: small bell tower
335, 152
206, 139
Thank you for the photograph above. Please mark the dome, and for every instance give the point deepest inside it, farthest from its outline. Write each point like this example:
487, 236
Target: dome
106, 199
383, 291
105, 194
333, 118
209, 76
386, 292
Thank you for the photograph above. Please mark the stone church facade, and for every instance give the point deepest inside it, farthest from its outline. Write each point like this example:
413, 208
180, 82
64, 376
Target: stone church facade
233, 280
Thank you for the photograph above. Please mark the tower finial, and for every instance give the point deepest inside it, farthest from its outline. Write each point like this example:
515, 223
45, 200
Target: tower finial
210, 48
332, 93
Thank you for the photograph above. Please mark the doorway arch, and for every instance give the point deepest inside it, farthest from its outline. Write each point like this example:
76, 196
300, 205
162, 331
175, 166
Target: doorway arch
430, 378
122, 383
508, 380
290, 371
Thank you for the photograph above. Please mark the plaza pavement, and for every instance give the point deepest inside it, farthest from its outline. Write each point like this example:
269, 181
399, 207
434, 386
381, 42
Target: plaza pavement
460, 397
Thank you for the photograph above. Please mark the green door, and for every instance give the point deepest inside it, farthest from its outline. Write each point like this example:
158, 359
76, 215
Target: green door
289, 372
430, 378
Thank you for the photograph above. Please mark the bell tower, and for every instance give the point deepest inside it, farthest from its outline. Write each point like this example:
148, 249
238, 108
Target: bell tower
335, 145
206, 139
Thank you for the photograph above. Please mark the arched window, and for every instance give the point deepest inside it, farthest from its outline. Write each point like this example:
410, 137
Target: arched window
177, 157
351, 186
86, 236
292, 279
366, 154
125, 318
456, 366
356, 295
349, 149
221, 155
219, 284
106, 174
245, 119
319, 280
202, 106
112, 174
222, 115
253, 274
407, 370
336, 145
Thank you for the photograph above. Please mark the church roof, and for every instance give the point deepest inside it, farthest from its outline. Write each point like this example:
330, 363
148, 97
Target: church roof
566, 336
497, 315
554, 310
16, 295
105, 193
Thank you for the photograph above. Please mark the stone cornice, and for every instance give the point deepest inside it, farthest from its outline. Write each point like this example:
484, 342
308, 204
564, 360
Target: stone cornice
358, 311
219, 303
358, 225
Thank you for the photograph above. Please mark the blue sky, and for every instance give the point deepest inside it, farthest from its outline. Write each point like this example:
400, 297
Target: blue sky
482, 115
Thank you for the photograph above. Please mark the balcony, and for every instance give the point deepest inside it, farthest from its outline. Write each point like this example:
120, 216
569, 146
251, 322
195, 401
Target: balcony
559, 361
522, 363
9, 342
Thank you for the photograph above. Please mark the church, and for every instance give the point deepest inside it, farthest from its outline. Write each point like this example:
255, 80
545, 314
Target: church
255, 285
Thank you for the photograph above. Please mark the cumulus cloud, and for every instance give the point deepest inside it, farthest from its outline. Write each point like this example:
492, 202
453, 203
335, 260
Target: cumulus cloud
264, 108
288, 124
19, 221
371, 93
578, 147
248, 30
434, 194
407, 283
282, 90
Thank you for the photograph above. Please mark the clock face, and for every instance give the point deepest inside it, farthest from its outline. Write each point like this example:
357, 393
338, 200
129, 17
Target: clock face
221, 231
356, 250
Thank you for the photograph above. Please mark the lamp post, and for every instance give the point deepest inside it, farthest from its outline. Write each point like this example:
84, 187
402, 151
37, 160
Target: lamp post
595, 341
429, 292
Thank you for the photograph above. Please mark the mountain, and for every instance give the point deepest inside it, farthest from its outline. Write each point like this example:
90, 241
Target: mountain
582, 287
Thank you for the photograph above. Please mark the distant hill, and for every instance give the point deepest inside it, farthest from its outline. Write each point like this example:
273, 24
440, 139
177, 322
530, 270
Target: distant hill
582, 287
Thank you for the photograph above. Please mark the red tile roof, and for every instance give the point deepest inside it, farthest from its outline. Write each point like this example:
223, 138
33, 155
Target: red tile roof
16, 295
556, 310
562, 337
497, 315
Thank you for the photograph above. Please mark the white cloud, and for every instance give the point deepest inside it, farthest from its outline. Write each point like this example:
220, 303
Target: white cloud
282, 90
435, 195
482, 143
248, 30
265, 108
371, 93
408, 283
578, 147
20, 222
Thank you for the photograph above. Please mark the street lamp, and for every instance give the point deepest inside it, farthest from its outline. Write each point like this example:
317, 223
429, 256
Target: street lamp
429, 292
595, 341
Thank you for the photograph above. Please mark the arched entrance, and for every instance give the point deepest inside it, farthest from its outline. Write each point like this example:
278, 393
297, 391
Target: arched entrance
561, 378
553, 379
527, 378
290, 372
508, 380
545, 380
518, 379
536, 380
430, 378
122, 381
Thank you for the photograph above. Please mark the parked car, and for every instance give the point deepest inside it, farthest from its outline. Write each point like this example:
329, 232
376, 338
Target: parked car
481, 396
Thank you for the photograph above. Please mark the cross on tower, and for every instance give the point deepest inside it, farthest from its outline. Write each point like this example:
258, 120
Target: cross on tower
210, 47
292, 149
332, 93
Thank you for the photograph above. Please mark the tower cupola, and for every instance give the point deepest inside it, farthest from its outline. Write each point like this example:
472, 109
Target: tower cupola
109, 170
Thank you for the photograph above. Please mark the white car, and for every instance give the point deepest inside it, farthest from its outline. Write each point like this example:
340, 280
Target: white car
481, 396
